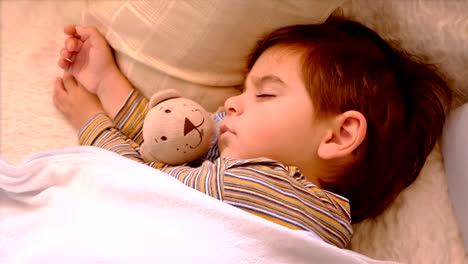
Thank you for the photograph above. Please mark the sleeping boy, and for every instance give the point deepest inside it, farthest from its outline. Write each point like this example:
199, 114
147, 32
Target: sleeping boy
333, 123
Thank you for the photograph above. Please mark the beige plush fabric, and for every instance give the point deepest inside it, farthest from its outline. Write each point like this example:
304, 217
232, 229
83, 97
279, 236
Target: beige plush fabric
198, 47
31, 38
434, 29
419, 227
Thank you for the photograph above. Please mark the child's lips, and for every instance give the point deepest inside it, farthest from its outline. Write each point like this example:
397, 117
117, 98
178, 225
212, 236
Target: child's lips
223, 129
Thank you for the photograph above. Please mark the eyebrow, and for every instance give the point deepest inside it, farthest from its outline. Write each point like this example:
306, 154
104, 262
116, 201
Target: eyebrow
260, 81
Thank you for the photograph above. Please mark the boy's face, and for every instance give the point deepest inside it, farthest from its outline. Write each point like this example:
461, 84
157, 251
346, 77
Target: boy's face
274, 116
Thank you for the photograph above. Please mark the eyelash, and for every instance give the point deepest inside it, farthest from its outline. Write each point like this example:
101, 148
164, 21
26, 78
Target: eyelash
264, 95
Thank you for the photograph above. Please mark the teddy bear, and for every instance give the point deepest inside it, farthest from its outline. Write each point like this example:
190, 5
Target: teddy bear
177, 130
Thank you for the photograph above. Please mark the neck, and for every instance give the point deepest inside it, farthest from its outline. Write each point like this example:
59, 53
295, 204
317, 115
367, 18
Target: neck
325, 170
312, 173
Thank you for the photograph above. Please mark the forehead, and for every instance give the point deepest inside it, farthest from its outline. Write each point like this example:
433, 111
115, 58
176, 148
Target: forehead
286, 63
279, 55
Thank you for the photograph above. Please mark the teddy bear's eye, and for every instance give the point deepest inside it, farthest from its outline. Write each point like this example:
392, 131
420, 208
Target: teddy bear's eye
163, 138
167, 111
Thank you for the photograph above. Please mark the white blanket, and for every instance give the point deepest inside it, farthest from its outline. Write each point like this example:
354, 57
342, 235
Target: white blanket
87, 205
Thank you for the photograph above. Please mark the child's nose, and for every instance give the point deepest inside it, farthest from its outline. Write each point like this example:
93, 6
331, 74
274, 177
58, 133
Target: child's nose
233, 105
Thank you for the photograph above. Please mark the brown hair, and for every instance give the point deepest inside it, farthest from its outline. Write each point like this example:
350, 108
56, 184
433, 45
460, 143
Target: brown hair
347, 66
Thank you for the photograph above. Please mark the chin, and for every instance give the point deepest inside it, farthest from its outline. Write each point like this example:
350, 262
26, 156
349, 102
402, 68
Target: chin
226, 153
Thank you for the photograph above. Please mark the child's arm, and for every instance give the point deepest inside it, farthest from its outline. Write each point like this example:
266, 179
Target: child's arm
88, 57
129, 119
99, 132
113, 92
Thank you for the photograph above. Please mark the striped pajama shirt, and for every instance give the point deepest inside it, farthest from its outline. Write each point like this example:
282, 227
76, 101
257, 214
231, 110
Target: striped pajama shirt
260, 186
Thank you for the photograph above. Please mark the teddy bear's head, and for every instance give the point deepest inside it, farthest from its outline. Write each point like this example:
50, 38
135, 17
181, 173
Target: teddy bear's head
176, 130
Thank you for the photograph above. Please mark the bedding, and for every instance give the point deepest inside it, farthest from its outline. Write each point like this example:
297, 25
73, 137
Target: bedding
419, 227
455, 149
88, 205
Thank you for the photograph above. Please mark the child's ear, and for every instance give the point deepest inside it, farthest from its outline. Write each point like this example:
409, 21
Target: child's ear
346, 133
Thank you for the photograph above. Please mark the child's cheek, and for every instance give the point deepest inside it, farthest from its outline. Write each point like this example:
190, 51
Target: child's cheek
264, 134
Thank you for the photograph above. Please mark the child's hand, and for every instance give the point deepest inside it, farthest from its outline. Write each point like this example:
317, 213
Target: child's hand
75, 102
87, 56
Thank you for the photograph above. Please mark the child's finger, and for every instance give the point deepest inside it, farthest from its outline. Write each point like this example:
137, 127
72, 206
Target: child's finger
86, 32
58, 86
65, 54
70, 30
71, 44
64, 64
68, 79
59, 94
59, 89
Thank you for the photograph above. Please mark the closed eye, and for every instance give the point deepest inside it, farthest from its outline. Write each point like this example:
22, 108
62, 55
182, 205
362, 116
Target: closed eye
264, 95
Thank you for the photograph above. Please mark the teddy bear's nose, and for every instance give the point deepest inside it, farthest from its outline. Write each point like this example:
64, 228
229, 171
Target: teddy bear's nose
188, 126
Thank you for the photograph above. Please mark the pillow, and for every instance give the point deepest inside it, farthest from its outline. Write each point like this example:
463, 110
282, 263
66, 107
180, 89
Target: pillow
196, 47
455, 149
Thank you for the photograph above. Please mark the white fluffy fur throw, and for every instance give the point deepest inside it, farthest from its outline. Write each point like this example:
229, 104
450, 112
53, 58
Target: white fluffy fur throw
419, 227
434, 29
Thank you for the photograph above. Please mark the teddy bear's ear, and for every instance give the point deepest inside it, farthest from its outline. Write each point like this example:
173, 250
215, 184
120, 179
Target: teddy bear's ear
163, 96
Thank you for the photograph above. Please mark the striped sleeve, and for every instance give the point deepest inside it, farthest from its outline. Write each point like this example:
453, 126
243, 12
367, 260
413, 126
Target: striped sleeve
91, 131
99, 132
207, 178
129, 119
281, 195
